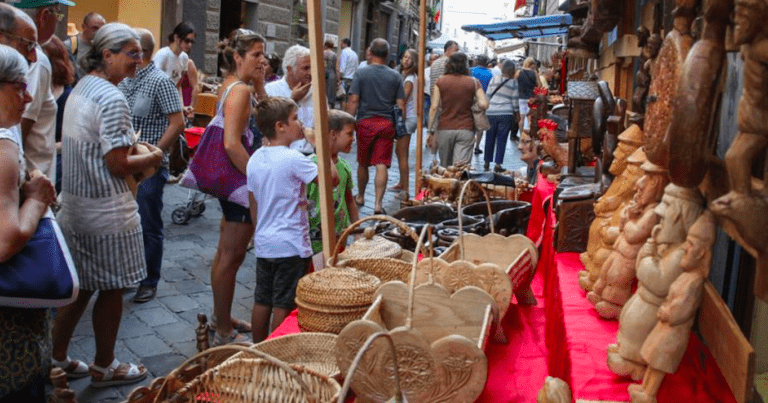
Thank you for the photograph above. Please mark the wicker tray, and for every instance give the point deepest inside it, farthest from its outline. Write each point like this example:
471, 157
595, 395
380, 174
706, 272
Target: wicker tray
439, 340
314, 351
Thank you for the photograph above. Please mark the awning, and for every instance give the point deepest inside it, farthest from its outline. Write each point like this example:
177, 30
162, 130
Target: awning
534, 27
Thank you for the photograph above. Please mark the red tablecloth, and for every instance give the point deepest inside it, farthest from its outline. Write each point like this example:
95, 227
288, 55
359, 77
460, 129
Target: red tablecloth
516, 370
579, 331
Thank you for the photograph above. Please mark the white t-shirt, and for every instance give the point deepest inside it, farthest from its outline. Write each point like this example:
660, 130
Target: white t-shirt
410, 103
277, 177
40, 143
306, 111
362, 64
348, 63
171, 64
426, 80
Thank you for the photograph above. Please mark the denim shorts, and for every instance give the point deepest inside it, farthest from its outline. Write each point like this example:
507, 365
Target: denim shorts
276, 280
234, 212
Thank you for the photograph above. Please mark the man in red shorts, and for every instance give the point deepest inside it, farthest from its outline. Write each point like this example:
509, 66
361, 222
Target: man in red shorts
375, 91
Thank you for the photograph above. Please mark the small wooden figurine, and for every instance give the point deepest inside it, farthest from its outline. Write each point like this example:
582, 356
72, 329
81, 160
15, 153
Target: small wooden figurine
614, 287
555, 390
658, 266
549, 142
743, 212
664, 348
202, 333
621, 191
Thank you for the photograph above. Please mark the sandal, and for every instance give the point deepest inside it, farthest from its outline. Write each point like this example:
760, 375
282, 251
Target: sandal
358, 201
75, 369
116, 373
237, 324
235, 337
380, 212
395, 188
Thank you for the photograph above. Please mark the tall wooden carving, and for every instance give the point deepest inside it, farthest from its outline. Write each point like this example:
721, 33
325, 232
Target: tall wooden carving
650, 44
743, 212
658, 266
621, 191
665, 345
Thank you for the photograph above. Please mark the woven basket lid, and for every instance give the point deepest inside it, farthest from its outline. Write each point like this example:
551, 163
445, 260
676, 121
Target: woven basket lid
371, 246
337, 287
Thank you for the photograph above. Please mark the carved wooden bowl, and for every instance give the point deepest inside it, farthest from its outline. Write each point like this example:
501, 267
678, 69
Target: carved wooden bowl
440, 357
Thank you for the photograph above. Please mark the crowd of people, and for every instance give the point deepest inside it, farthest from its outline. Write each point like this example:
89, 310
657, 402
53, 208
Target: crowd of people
83, 117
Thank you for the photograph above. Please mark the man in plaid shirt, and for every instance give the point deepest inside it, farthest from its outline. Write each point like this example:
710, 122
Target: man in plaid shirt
157, 112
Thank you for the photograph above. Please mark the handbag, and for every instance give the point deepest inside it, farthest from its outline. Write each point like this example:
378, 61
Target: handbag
397, 117
42, 275
478, 115
210, 170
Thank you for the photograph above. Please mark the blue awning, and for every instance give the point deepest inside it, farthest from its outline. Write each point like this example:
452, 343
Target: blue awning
534, 27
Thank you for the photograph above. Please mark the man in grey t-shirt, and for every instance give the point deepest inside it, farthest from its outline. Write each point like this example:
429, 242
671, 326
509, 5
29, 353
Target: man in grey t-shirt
375, 91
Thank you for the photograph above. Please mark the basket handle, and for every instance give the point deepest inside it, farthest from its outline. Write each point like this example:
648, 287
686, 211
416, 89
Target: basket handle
399, 396
343, 238
461, 223
310, 397
412, 285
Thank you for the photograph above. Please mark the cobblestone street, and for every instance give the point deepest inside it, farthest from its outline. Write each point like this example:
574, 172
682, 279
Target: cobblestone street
160, 333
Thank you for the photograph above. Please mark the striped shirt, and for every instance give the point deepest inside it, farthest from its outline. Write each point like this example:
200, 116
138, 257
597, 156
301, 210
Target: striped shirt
99, 216
505, 101
152, 97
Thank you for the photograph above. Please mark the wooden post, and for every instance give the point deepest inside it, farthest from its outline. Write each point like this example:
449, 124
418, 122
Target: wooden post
420, 93
322, 142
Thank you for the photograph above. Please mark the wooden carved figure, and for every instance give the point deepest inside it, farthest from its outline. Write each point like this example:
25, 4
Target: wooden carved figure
650, 45
555, 390
658, 266
621, 191
202, 333
614, 287
549, 143
664, 348
743, 212
529, 153
665, 78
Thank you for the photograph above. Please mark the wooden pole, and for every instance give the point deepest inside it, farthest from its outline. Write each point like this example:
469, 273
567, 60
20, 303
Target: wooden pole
420, 93
322, 142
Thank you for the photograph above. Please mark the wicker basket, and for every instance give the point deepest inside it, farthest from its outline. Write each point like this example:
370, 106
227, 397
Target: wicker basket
314, 351
331, 298
244, 379
385, 268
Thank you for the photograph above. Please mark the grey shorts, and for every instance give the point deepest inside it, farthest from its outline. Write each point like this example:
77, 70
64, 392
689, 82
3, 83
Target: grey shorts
276, 280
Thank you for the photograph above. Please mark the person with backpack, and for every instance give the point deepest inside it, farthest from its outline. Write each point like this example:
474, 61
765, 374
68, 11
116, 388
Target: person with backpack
78, 45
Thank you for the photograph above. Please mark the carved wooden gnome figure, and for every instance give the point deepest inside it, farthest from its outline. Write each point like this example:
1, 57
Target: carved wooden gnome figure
664, 348
600, 242
658, 266
614, 287
552, 147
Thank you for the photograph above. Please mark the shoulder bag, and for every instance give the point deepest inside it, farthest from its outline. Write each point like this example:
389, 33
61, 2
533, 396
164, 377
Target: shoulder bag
478, 113
42, 275
210, 169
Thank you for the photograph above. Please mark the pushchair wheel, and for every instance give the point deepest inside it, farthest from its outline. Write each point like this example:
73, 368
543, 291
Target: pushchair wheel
196, 208
180, 216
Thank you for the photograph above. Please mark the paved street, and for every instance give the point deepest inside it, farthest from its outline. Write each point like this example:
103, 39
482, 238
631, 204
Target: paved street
160, 333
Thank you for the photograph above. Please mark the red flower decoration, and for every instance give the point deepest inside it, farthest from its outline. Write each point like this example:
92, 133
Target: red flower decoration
540, 91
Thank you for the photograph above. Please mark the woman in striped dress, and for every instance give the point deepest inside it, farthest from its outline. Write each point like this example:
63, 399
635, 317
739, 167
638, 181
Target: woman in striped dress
99, 216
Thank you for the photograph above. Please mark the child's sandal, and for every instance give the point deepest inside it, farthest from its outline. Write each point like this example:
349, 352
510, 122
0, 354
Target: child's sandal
74, 369
116, 373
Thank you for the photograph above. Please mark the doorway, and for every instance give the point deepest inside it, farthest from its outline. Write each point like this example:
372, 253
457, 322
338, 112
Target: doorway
231, 18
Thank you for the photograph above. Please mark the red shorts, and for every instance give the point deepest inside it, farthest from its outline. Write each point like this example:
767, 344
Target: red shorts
375, 136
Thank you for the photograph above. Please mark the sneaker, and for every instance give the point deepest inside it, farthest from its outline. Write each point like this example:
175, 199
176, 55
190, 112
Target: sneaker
498, 169
235, 337
145, 293
478, 151
486, 166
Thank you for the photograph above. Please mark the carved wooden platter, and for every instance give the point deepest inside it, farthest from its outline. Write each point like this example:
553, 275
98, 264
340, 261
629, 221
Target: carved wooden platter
516, 255
440, 357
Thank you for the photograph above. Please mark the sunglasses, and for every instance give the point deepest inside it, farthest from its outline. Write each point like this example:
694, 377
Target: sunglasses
135, 55
20, 86
28, 45
189, 41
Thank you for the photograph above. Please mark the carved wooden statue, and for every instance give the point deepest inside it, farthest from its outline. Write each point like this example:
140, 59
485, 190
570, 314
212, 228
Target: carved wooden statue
614, 287
743, 212
555, 390
621, 191
658, 266
529, 153
549, 143
202, 333
664, 348
664, 82
650, 45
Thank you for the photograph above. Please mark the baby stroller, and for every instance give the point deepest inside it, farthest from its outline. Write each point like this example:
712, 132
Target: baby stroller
195, 205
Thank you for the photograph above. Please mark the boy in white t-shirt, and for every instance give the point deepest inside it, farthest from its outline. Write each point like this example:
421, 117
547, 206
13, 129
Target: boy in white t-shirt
277, 179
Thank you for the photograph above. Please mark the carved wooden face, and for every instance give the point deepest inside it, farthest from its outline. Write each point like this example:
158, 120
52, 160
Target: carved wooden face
527, 147
748, 20
671, 227
620, 155
649, 188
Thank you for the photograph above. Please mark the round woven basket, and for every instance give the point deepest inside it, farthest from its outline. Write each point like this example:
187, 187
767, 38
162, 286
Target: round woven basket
315, 351
344, 287
324, 319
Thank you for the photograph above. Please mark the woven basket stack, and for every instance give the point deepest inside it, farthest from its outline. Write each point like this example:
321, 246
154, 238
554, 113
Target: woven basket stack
329, 299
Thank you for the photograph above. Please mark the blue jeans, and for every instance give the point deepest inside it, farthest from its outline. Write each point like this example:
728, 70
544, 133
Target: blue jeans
496, 136
150, 200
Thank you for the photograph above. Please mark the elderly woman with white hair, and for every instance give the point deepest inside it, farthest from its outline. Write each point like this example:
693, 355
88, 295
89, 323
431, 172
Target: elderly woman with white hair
99, 216
24, 342
297, 85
